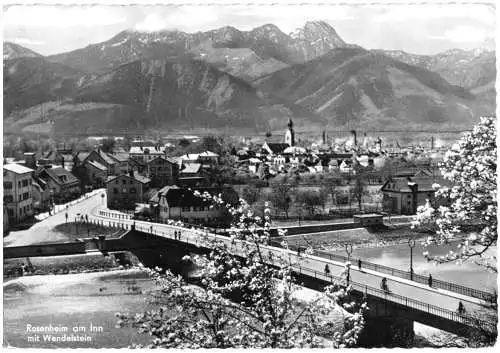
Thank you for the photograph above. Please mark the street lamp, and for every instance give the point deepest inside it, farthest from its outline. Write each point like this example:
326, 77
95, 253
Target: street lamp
411, 244
348, 250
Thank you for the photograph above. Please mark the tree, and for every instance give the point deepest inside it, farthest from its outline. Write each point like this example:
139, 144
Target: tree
108, 145
358, 190
281, 197
243, 302
184, 143
310, 199
210, 143
329, 186
251, 194
468, 210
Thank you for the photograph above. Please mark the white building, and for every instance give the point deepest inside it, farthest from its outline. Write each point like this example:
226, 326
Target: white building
17, 186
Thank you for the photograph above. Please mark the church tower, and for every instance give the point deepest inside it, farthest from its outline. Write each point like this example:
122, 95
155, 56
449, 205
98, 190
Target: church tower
290, 134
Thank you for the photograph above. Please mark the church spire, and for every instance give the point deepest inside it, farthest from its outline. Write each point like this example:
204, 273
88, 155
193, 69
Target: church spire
290, 134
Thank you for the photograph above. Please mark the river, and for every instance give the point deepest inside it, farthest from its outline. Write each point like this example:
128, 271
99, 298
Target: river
398, 256
92, 298
74, 301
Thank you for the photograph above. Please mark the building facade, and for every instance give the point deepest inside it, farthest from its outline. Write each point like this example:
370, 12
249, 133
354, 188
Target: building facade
124, 191
17, 186
61, 183
404, 195
162, 171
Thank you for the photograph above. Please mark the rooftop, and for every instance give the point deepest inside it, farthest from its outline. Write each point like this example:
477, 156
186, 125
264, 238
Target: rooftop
17, 168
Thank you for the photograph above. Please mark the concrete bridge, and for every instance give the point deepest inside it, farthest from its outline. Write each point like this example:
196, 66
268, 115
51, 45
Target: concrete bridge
412, 299
392, 312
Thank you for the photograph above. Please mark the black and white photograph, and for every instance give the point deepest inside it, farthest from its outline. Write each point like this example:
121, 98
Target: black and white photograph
249, 175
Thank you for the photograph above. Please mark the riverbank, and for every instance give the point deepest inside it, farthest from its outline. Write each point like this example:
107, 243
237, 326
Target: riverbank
69, 264
358, 238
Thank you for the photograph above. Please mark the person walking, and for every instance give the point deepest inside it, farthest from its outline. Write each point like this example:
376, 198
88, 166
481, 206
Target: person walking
327, 270
66, 215
359, 264
430, 280
383, 284
461, 308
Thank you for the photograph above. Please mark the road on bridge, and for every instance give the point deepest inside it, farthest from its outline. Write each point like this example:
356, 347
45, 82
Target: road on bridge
427, 295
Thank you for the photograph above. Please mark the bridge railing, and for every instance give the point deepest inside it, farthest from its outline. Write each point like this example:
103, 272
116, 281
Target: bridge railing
405, 301
359, 287
436, 283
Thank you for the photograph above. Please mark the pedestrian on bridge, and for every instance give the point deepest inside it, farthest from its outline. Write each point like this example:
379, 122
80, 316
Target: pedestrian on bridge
461, 308
66, 215
327, 270
359, 264
383, 284
430, 280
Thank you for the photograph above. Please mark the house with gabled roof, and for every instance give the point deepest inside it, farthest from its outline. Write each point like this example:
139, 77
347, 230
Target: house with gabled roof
62, 184
402, 195
146, 154
62, 157
162, 171
275, 148
124, 191
176, 203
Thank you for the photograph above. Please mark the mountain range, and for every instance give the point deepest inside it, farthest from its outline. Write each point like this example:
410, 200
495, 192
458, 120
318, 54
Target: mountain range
243, 79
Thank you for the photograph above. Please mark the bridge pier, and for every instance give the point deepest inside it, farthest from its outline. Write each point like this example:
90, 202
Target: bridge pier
387, 331
385, 326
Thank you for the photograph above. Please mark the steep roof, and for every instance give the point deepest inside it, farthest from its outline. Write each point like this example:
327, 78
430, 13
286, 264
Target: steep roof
107, 158
401, 184
138, 177
120, 157
58, 174
97, 165
169, 160
163, 191
191, 168
277, 147
208, 154
177, 197
82, 156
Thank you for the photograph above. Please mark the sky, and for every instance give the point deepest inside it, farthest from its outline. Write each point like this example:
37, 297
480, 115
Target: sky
419, 28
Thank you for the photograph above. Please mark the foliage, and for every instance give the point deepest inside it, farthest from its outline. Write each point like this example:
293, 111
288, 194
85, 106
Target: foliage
358, 191
210, 143
108, 145
251, 194
311, 199
184, 143
468, 210
281, 197
244, 302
